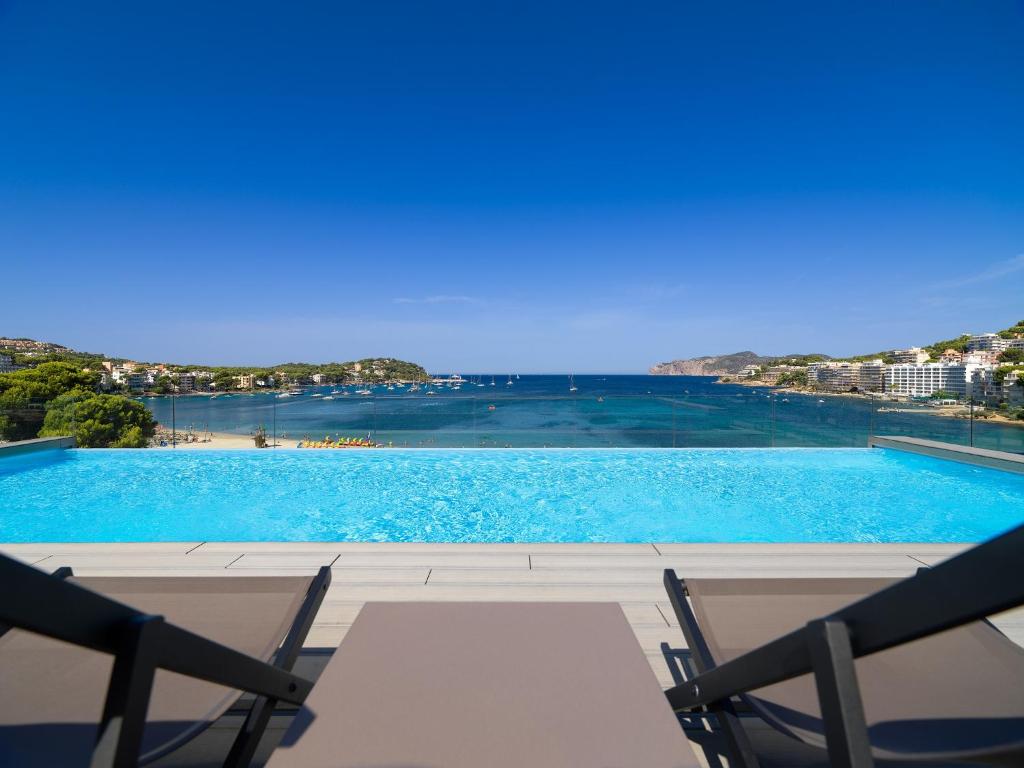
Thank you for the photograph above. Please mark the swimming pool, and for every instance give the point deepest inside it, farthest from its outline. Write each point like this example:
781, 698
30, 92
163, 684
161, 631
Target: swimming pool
565, 495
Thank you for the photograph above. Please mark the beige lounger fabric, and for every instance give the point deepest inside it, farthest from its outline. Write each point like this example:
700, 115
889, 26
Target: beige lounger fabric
502, 685
53, 692
958, 692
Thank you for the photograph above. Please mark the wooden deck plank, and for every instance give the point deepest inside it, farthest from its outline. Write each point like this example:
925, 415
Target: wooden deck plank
434, 560
140, 561
731, 563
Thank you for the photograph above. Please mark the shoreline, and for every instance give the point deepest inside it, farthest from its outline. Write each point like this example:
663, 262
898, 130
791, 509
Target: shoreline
948, 411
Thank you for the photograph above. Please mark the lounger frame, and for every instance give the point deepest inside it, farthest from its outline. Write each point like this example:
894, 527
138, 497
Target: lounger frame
969, 587
140, 643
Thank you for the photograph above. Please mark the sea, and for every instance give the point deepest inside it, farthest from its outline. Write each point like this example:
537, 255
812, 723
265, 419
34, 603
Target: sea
536, 411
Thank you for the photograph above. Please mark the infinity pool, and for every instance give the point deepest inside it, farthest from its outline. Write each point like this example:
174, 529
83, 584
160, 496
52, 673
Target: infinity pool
627, 495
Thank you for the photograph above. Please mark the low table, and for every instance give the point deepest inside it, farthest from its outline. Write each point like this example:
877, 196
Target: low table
440, 685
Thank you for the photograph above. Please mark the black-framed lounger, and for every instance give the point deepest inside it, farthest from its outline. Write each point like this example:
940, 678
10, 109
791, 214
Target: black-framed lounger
904, 670
67, 702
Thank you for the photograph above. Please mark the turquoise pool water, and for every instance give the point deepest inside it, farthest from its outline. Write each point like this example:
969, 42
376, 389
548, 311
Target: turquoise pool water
567, 495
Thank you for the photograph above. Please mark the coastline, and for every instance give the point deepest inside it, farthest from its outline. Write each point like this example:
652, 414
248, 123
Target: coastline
982, 414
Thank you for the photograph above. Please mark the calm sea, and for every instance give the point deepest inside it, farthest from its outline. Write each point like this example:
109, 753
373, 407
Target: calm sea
538, 411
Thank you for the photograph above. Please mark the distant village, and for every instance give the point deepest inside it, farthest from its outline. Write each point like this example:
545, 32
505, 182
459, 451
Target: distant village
164, 378
988, 367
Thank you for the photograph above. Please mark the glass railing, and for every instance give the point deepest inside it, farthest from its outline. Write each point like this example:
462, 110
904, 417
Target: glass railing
749, 418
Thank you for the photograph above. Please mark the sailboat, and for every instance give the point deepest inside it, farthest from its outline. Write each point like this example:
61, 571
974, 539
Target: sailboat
509, 382
492, 381
572, 384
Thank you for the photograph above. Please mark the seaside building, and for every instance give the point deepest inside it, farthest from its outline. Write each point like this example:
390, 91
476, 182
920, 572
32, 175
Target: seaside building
845, 377
245, 381
987, 342
987, 357
749, 371
951, 357
319, 378
136, 382
1017, 343
186, 382
771, 374
1012, 390
912, 356
870, 375
926, 379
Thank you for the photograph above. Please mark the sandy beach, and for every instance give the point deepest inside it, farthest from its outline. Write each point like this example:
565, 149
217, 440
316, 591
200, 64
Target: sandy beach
221, 440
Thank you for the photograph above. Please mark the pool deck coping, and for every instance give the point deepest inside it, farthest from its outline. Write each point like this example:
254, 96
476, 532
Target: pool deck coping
20, 447
981, 457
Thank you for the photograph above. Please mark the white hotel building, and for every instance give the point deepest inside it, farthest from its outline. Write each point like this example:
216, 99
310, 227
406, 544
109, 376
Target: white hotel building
924, 380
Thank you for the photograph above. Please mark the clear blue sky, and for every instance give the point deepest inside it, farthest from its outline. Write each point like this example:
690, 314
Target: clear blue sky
509, 186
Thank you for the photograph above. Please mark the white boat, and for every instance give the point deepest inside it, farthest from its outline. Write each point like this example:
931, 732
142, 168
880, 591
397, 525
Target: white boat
509, 382
346, 393
364, 392
572, 384
329, 397
317, 394
431, 392
492, 381
284, 394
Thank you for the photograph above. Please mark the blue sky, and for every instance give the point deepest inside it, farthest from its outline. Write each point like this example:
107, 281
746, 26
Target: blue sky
509, 186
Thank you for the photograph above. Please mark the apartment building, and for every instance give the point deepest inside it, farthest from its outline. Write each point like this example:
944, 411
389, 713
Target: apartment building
870, 376
987, 342
319, 378
912, 356
846, 377
7, 364
1012, 391
832, 377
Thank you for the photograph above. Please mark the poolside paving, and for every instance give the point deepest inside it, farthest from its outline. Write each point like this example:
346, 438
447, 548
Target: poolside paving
629, 574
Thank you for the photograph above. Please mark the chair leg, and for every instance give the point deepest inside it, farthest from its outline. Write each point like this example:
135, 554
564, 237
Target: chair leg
119, 738
736, 739
248, 738
842, 711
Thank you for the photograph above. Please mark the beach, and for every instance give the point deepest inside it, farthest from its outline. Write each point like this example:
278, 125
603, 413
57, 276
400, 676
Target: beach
221, 441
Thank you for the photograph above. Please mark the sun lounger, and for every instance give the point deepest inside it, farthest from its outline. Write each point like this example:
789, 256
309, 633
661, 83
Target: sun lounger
914, 693
67, 702
502, 685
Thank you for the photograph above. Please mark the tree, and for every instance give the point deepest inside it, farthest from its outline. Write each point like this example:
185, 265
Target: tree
1011, 356
163, 385
98, 421
24, 395
793, 378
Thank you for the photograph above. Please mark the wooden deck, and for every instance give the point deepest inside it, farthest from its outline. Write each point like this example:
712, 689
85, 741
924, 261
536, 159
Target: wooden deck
629, 574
